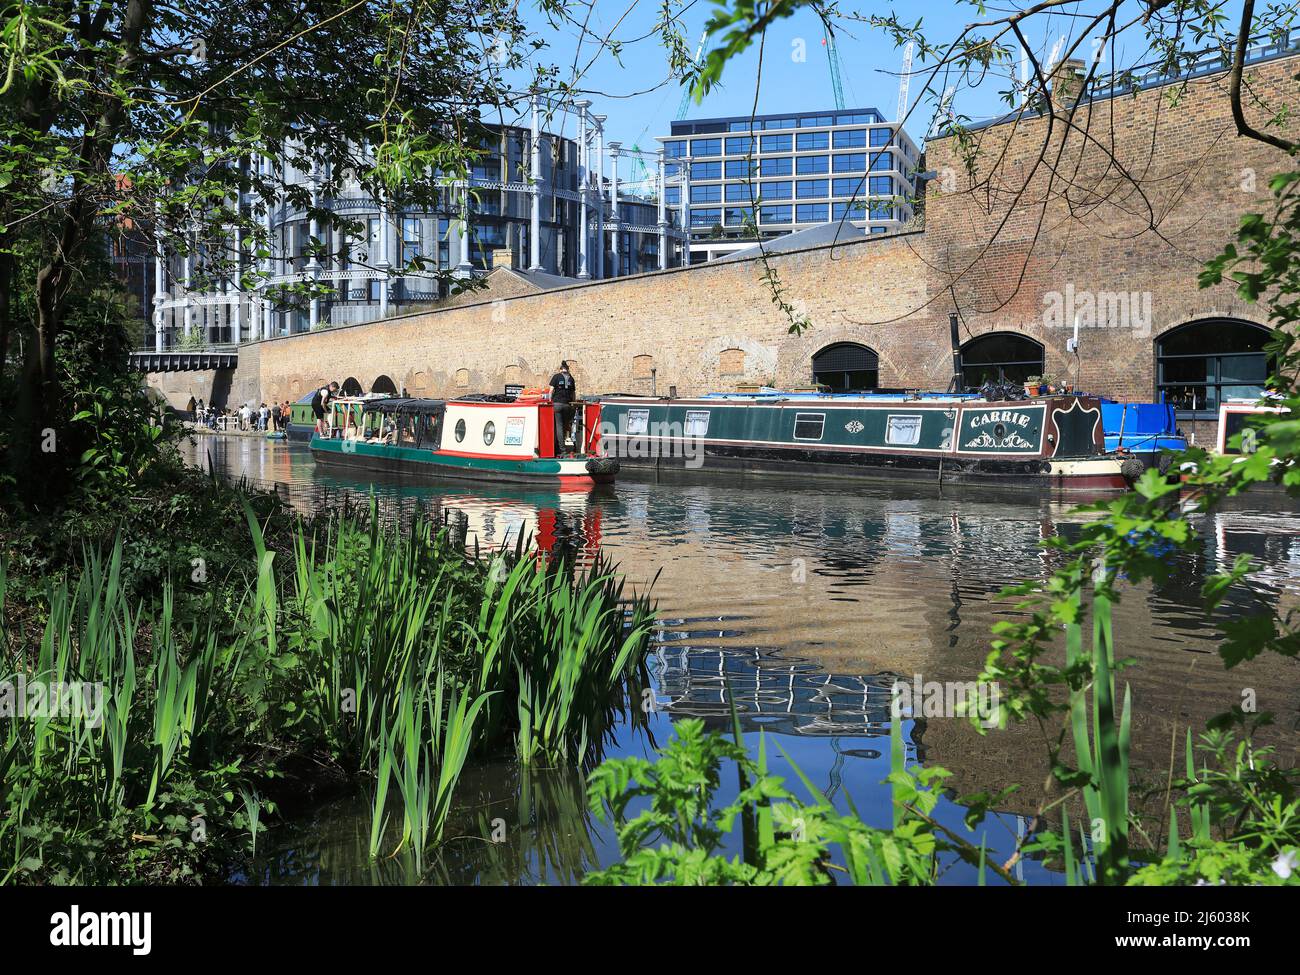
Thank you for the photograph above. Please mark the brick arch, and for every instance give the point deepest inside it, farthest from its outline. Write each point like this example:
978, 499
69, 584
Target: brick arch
1021, 352
350, 387
794, 353
417, 381
836, 361
384, 384
1248, 315
1197, 390
731, 362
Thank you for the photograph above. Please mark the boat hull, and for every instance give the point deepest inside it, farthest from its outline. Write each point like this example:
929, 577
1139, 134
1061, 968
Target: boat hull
299, 432
564, 473
1063, 474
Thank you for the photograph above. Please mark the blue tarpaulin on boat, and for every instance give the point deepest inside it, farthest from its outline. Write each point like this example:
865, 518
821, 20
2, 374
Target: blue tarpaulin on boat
1141, 426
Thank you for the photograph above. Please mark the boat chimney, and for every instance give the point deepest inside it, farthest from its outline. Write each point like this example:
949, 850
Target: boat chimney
958, 382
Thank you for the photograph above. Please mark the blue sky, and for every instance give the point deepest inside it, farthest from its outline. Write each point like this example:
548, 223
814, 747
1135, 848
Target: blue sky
630, 90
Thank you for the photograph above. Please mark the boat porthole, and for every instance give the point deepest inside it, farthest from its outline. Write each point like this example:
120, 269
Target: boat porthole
460, 430
489, 432
1000, 431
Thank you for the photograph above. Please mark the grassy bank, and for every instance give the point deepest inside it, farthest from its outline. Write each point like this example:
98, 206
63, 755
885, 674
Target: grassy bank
245, 662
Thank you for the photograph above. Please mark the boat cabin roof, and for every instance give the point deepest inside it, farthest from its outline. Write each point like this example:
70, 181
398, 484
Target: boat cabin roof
408, 406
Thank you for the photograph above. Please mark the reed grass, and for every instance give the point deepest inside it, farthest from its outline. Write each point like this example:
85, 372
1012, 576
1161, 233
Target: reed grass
391, 654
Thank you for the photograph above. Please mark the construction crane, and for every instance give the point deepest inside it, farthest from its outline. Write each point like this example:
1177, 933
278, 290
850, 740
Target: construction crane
944, 112
639, 166
833, 59
686, 95
903, 82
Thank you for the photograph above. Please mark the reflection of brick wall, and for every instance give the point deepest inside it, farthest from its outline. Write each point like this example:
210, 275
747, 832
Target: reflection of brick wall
1094, 236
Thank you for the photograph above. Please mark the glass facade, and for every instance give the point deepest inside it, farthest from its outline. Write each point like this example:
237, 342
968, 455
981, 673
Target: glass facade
800, 169
781, 166
375, 263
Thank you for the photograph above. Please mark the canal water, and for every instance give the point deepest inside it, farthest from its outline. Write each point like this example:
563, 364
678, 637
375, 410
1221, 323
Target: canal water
807, 600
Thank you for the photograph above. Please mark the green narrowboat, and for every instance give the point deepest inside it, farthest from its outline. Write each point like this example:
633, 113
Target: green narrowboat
1050, 441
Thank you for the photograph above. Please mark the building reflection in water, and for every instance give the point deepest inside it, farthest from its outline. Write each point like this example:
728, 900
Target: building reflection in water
772, 693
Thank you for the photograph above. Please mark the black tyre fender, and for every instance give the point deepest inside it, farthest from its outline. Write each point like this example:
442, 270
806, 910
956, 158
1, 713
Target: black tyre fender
1132, 469
602, 465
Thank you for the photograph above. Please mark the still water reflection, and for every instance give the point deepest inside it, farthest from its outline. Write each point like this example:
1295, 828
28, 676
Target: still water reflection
807, 601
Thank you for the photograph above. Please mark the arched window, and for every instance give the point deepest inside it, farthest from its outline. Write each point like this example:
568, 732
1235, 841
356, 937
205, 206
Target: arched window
846, 367
1203, 364
351, 387
1000, 357
384, 385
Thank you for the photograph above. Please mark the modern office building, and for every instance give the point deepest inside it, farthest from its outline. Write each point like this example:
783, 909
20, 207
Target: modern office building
551, 205
730, 180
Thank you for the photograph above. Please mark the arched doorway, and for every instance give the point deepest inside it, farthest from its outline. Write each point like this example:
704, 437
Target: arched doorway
846, 367
384, 385
1000, 357
350, 387
1203, 364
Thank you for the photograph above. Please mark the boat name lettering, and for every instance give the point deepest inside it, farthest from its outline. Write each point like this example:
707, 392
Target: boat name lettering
1000, 416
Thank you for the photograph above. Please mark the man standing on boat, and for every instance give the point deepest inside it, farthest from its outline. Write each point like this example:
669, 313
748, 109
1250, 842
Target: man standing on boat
320, 404
563, 393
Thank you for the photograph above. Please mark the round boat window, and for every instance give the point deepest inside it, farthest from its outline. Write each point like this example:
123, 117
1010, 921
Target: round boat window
460, 430
1000, 430
489, 432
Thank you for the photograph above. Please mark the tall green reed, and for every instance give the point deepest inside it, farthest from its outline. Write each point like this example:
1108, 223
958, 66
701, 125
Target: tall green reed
390, 654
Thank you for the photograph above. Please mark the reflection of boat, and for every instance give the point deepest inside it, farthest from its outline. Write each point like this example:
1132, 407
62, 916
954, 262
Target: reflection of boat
492, 438
1144, 430
545, 517
1051, 441
549, 520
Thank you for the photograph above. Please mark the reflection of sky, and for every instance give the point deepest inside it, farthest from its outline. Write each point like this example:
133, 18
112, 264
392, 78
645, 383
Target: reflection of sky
888, 566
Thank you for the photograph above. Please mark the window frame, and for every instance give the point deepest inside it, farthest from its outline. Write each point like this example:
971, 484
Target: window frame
807, 418
889, 429
691, 418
